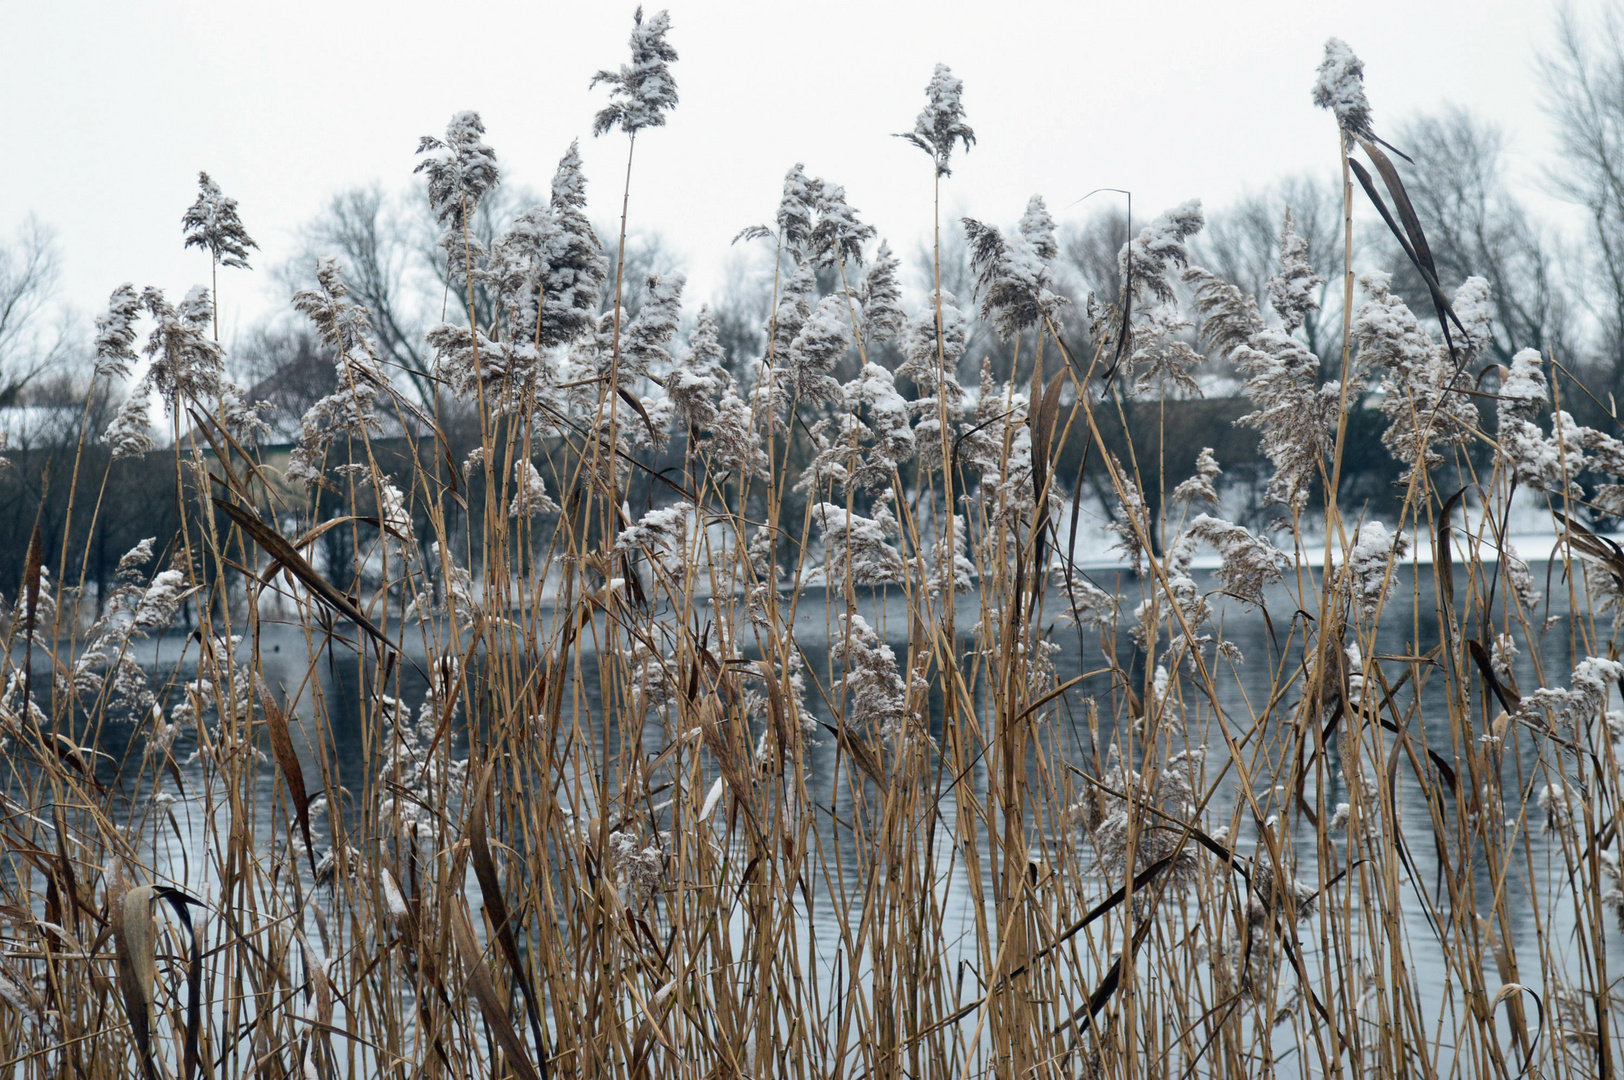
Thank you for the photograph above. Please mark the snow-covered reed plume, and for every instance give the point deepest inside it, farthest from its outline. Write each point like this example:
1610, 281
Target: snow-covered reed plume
115, 333
881, 299
1341, 88
858, 549
1593, 679
187, 366
933, 343
627, 669
941, 125
529, 492
1249, 562
700, 377
1149, 265
549, 269
346, 328
461, 170
642, 91
187, 370
879, 698
1291, 288
1424, 393
955, 575
1013, 276
659, 531
130, 432
837, 236
1201, 485
213, 224
819, 343
1373, 563
1295, 412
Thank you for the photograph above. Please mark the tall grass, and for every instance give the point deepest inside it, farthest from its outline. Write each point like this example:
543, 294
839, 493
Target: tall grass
619, 813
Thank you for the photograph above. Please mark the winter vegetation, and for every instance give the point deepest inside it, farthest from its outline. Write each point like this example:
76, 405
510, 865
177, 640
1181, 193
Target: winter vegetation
1091, 649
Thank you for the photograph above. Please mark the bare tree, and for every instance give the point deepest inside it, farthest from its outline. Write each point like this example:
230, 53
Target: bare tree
370, 236
1089, 252
28, 275
395, 267
1241, 244
289, 367
1584, 81
741, 309
1475, 227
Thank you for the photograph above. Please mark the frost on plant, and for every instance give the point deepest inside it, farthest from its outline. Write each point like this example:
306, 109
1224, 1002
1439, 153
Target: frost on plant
187, 366
1423, 392
1012, 274
874, 436
417, 765
212, 223
879, 700
856, 547
115, 333
1372, 564
642, 91
529, 492
1340, 88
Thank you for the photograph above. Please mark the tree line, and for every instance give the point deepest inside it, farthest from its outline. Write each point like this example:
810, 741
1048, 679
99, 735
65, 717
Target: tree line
1562, 294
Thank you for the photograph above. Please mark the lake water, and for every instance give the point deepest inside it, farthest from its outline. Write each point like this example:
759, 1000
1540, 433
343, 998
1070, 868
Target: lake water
287, 665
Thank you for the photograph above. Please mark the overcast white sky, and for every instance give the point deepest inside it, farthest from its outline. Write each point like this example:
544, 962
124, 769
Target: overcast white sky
110, 109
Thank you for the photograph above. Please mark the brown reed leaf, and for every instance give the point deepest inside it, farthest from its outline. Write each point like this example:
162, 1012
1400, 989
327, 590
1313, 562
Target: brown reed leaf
278, 548
192, 1060
1421, 259
1510, 699
310, 536
710, 714
861, 754
137, 969
490, 1002
1045, 415
287, 759
1443, 557
496, 908
321, 988
1600, 548
777, 710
